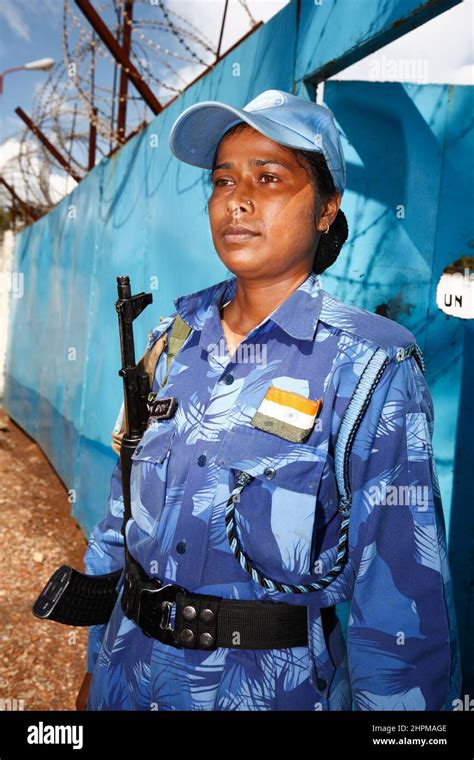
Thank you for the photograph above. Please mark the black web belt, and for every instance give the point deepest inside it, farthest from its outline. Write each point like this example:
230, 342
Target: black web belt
173, 615
203, 621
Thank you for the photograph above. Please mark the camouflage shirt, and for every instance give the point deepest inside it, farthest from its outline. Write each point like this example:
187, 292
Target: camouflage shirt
274, 410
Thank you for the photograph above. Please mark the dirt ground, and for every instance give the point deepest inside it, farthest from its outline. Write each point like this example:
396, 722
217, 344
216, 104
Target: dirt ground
42, 663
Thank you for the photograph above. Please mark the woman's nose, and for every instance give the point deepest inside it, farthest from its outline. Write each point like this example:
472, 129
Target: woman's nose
236, 205
235, 208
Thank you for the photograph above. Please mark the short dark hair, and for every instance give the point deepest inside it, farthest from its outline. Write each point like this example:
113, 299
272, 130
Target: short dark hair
314, 163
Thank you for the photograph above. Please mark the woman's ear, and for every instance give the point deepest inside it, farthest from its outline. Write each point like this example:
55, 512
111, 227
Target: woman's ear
329, 212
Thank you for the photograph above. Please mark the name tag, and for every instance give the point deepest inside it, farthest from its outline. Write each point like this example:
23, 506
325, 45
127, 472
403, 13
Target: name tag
287, 414
161, 408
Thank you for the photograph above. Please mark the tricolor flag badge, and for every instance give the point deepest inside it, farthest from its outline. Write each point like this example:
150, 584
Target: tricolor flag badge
289, 415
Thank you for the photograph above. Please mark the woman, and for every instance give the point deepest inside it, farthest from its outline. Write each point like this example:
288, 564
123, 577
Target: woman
296, 472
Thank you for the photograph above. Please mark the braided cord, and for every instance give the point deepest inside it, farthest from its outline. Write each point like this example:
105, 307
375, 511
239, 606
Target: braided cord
243, 479
353, 417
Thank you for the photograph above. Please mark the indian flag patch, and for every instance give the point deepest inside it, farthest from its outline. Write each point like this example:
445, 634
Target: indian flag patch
289, 415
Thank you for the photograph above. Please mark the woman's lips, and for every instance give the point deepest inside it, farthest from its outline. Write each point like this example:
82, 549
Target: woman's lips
238, 237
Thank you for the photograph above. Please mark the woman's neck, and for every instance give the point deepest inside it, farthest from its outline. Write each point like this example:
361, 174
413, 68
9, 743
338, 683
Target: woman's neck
253, 302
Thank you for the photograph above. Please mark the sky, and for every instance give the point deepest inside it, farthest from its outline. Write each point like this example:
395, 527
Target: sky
30, 30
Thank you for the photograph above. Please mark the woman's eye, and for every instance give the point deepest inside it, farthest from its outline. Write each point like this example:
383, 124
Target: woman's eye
219, 182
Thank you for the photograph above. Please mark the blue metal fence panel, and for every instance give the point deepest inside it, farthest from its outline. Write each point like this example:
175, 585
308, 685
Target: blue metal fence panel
48, 345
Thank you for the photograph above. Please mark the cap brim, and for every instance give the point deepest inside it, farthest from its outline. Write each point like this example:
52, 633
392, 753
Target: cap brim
195, 134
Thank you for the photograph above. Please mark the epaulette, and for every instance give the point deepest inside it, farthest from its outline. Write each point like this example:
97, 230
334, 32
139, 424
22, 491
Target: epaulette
396, 340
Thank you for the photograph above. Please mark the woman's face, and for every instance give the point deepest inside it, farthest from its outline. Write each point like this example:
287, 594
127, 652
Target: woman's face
282, 233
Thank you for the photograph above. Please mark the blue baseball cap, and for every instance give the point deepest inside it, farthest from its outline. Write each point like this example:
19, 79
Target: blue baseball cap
287, 119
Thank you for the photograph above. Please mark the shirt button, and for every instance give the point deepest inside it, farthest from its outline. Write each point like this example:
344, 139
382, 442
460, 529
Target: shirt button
201, 460
269, 473
181, 547
228, 379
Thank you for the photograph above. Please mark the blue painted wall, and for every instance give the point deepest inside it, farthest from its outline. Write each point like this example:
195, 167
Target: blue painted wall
142, 213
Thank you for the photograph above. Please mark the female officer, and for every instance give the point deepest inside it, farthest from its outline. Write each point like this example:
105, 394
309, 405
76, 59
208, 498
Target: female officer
296, 472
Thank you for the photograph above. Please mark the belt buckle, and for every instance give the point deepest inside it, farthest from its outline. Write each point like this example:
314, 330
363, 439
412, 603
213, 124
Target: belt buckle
167, 597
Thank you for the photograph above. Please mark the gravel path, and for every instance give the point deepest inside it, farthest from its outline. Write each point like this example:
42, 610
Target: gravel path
42, 663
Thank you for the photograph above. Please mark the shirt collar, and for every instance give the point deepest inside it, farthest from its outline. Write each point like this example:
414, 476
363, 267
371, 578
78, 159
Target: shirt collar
298, 315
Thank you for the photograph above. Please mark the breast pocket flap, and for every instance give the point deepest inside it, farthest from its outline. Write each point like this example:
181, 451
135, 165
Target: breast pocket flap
154, 445
293, 466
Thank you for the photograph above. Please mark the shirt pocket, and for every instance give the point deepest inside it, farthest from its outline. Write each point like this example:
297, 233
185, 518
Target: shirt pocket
149, 475
275, 514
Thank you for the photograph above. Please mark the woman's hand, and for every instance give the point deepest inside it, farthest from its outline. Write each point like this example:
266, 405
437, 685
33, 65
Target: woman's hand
81, 699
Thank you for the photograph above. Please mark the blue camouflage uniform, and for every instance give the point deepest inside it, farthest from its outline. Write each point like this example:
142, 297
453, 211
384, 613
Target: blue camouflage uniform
400, 650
